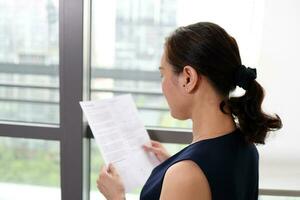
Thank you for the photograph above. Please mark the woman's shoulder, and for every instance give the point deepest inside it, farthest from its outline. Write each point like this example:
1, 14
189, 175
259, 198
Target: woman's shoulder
188, 179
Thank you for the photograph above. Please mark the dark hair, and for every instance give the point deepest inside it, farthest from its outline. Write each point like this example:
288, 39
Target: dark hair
212, 52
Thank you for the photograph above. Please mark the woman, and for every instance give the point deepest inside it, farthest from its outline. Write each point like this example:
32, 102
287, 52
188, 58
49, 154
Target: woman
200, 67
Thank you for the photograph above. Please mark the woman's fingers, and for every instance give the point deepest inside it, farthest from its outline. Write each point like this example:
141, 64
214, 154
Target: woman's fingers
155, 143
152, 149
103, 170
112, 170
158, 149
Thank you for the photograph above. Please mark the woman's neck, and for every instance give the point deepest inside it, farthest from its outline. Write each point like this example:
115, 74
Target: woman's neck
209, 122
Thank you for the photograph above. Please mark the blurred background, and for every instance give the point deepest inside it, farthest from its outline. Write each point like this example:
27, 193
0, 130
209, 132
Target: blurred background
123, 43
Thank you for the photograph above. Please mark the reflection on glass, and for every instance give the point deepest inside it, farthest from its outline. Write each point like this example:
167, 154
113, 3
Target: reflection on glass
29, 61
30, 167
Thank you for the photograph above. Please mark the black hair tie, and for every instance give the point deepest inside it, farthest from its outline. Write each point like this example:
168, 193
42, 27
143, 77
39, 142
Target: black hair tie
244, 76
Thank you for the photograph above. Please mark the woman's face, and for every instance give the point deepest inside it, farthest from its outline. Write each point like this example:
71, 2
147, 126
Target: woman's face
173, 90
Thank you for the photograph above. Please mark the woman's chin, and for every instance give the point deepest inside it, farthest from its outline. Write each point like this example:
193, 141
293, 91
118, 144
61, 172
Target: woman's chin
178, 116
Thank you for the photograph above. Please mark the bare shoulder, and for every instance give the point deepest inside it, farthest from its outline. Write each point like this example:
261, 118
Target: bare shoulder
185, 180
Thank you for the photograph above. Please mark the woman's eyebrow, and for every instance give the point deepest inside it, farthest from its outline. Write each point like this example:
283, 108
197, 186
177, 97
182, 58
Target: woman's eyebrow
160, 68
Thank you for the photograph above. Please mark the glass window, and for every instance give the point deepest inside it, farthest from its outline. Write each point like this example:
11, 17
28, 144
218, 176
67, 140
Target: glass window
280, 157
29, 61
30, 167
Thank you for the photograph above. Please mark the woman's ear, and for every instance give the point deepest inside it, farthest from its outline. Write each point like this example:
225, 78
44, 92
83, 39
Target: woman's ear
189, 79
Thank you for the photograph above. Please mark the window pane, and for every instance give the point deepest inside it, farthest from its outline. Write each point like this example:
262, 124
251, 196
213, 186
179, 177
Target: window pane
30, 167
29, 61
280, 157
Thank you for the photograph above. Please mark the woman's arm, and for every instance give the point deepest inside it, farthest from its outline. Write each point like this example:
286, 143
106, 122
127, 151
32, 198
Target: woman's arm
185, 180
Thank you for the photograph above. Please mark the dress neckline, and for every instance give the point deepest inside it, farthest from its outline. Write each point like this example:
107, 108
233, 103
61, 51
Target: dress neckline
212, 139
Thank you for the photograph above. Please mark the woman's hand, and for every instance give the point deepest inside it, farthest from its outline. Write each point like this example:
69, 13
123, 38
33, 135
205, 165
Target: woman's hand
110, 184
158, 149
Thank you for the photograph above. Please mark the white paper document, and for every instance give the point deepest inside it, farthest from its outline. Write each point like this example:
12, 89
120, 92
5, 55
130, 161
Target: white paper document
120, 134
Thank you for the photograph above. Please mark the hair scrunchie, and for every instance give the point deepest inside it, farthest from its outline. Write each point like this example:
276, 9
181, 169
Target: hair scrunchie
244, 76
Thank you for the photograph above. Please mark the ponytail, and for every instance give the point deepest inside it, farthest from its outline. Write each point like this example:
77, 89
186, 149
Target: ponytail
253, 122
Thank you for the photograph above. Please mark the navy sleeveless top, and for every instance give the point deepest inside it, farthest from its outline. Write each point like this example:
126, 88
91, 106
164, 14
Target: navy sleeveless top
228, 162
